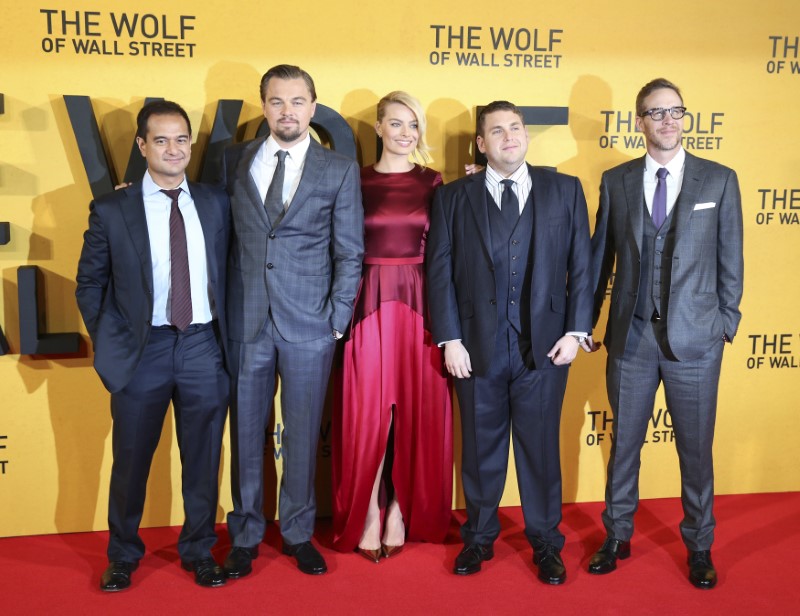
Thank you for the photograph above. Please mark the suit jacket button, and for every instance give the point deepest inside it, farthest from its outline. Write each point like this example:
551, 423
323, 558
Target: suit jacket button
272, 236
492, 302
269, 266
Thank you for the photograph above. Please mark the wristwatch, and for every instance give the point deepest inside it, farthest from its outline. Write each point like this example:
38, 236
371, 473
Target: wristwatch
580, 339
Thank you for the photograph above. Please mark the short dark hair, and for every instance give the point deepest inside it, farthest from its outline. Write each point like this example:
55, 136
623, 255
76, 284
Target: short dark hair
648, 88
159, 108
287, 71
497, 106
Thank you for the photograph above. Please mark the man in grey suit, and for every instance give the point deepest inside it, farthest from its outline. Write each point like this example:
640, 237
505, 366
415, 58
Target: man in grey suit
293, 273
674, 224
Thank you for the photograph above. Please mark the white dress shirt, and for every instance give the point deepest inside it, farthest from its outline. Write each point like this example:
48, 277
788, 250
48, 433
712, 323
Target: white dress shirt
157, 207
265, 162
674, 179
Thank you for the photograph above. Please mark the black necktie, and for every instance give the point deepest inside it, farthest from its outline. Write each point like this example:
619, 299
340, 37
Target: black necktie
274, 200
509, 204
660, 198
180, 314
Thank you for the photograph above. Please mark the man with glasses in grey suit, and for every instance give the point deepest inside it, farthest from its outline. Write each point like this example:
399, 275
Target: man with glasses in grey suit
294, 269
673, 224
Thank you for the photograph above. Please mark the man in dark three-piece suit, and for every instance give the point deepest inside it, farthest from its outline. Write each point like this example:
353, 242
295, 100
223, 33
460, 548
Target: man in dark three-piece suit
510, 300
293, 274
151, 290
673, 223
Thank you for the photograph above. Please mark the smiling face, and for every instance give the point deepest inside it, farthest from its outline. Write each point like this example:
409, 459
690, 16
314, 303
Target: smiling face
288, 107
504, 141
167, 148
399, 130
664, 137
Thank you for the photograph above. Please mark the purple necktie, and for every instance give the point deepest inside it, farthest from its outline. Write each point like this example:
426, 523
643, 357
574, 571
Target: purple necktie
180, 287
660, 198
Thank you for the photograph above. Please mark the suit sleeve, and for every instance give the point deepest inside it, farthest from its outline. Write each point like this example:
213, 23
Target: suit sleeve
94, 271
579, 282
730, 256
603, 253
347, 235
442, 303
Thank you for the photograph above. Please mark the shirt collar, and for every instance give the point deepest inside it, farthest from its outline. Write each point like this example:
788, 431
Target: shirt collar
297, 152
150, 188
517, 176
675, 166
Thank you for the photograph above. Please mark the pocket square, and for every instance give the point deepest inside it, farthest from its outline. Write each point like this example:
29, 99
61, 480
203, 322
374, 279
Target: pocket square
704, 206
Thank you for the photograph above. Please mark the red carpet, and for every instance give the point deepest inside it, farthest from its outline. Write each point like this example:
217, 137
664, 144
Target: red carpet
758, 540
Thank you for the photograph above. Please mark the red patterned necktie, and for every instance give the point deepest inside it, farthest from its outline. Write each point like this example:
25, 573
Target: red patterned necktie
180, 287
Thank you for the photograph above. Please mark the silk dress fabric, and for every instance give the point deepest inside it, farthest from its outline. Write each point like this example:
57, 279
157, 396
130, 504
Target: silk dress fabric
392, 374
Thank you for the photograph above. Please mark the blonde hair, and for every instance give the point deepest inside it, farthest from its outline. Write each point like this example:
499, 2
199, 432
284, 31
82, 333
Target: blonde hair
405, 99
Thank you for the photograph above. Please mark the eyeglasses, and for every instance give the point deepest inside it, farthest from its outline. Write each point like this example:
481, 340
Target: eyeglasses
659, 114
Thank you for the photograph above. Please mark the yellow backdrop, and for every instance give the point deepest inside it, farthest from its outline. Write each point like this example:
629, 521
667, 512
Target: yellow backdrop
737, 63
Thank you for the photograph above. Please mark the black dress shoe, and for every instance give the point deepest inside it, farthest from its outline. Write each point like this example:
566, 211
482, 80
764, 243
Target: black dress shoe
117, 576
470, 558
239, 561
701, 570
309, 560
206, 572
551, 567
605, 559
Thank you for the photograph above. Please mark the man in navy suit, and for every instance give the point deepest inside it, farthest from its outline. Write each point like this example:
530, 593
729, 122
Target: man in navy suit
151, 290
298, 240
510, 300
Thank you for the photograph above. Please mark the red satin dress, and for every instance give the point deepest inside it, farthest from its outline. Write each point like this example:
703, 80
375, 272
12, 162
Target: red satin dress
392, 371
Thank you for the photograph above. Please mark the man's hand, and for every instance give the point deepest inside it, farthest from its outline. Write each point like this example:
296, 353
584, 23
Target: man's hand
456, 360
564, 351
590, 346
472, 168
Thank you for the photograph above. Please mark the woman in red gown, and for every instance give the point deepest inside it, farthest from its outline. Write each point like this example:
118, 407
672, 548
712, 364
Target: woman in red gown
392, 429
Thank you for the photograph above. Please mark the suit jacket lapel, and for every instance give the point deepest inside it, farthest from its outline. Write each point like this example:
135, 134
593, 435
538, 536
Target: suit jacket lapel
478, 203
244, 178
540, 194
206, 216
313, 169
133, 213
633, 182
687, 198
